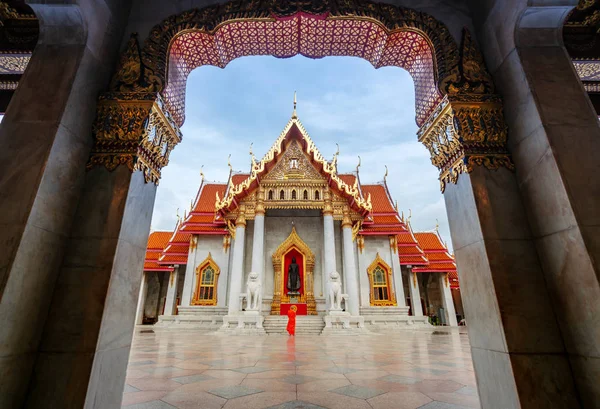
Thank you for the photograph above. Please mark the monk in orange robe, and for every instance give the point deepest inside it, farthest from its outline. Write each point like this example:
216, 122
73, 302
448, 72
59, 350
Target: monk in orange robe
291, 326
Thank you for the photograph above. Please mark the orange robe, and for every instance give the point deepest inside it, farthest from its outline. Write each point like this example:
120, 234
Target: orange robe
291, 326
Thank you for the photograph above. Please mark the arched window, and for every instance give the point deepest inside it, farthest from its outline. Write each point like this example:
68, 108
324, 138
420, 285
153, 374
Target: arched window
305, 194
207, 275
270, 195
293, 194
316, 195
380, 278
282, 195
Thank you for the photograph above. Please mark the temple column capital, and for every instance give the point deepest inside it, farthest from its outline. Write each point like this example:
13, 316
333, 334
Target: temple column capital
466, 131
135, 130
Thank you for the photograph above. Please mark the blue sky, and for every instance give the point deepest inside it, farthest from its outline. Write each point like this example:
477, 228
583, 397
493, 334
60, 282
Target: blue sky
341, 100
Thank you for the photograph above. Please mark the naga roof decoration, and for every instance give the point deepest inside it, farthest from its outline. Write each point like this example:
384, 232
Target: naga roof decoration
327, 169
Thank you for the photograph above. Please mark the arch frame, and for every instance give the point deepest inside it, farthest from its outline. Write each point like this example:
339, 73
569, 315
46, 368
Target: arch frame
207, 262
380, 262
293, 241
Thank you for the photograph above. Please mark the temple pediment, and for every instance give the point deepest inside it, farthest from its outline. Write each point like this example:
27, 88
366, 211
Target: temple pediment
294, 171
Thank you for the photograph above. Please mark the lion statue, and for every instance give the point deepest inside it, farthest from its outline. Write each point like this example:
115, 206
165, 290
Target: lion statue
254, 292
335, 291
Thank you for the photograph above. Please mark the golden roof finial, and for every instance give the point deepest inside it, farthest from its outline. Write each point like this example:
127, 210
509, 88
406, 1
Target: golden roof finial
386, 174
437, 225
229, 163
177, 214
335, 155
402, 216
202, 172
294, 116
409, 215
358, 166
191, 205
396, 206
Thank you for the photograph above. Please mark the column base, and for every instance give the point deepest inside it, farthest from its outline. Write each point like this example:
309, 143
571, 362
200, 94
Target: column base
246, 323
340, 322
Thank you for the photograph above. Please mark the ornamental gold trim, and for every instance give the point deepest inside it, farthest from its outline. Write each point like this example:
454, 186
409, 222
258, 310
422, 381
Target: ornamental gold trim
379, 262
329, 169
293, 241
207, 262
465, 132
137, 133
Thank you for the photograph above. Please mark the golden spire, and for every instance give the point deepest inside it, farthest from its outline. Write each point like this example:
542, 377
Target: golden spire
294, 116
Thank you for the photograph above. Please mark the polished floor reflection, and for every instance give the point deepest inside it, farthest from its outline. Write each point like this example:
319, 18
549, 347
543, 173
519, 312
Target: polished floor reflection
427, 369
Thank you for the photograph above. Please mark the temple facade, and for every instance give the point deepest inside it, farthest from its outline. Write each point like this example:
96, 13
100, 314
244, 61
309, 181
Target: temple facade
275, 236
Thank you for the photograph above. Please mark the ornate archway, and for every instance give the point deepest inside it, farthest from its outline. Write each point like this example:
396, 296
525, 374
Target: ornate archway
293, 242
461, 118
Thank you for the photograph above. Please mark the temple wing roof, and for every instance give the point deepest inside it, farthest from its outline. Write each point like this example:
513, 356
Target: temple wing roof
156, 244
436, 252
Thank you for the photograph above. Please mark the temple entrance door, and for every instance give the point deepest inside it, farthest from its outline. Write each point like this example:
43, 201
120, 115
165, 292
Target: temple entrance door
293, 255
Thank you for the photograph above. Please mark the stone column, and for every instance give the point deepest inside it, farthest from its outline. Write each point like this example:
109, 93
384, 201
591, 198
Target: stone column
350, 273
45, 139
133, 137
415, 294
237, 264
139, 315
518, 352
171, 301
447, 301
258, 240
329, 237
397, 272
190, 273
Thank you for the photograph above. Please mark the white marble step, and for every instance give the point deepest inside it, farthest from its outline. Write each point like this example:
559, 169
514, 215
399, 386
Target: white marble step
309, 325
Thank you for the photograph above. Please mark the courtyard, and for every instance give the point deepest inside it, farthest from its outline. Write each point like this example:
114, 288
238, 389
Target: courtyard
184, 369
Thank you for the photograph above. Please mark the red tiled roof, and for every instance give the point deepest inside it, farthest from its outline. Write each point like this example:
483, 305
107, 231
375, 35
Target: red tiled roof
207, 197
239, 178
348, 179
379, 198
430, 241
157, 241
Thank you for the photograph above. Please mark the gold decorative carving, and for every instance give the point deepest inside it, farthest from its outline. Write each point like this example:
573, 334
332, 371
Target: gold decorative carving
414, 276
231, 228
193, 242
310, 152
137, 133
355, 229
446, 283
466, 131
379, 262
293, 241
470, 76
346, 220
394, 244
198, 298
171, 278
260, 202
328, 207
360, 242
226, 242
240, 221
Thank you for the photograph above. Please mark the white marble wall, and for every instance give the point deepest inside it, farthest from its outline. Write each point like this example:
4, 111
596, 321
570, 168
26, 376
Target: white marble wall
373, 245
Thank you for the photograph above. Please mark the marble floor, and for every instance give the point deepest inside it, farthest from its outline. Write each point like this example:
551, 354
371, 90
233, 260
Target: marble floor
426, 369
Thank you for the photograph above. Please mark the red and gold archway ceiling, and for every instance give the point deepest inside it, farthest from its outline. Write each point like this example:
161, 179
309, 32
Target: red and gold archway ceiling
313, 36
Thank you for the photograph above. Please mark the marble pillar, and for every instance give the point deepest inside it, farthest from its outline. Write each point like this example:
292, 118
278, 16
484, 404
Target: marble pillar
397, 273
415, 294
447, 301
190, 274
139, 315
171, 300
350, 272
258, 239
328, 238
45, 139
237, 264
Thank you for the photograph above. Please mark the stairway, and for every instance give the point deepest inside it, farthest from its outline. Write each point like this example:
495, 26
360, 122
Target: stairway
305, 324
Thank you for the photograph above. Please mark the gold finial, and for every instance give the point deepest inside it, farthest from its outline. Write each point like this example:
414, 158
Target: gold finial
177, 214
358, 166
335, 155
402, 216
409, 215
229, 163
437, 225
294, 116
396, 206
202, 172
191, 205
386, 174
